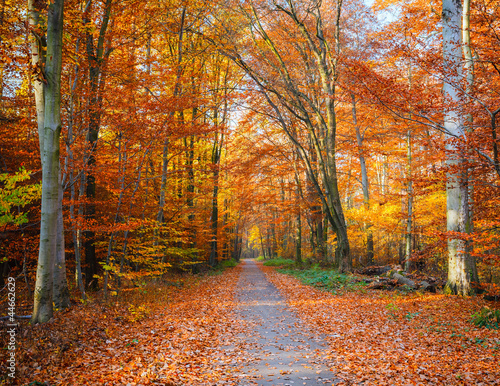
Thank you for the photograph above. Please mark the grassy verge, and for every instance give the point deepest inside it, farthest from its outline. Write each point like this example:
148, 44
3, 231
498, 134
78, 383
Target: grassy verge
229, 263
222, 266
326, 279
279, 263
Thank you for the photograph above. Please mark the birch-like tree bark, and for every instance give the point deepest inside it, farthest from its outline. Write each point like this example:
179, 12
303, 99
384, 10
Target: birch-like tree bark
49, 149
459, 265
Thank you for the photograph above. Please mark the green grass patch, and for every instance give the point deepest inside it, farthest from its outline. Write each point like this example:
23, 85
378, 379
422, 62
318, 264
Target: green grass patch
222, 266
260, 258
279, 263
228, 263
326, 279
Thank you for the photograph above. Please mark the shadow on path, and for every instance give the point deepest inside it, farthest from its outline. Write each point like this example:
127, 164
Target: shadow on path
282, 350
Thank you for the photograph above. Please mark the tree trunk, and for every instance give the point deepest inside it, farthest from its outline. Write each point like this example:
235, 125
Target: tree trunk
72, 181
216, 158
177, 90
409, 215
459, 263
216, 153
262, 245
274, 245
61, 291
298, 240
364, 183
49, 140
215, 213
96, 56
469, 74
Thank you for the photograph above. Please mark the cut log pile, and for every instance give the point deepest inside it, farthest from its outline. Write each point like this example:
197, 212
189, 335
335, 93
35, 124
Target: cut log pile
391, 277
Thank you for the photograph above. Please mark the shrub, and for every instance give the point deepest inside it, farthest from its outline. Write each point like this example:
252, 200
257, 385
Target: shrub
329, 280
486, 317
229, 263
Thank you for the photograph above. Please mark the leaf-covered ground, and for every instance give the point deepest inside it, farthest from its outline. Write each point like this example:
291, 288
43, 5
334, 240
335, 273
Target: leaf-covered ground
174, 336
385, 338
188, 333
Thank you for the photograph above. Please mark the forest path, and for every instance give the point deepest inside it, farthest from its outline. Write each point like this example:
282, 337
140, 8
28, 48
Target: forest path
283, 351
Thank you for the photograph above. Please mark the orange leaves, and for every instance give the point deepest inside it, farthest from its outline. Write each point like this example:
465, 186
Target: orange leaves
428, 339
168, 335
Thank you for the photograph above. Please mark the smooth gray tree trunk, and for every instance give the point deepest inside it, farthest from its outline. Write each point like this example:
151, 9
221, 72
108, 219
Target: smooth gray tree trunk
43, 297
459, 263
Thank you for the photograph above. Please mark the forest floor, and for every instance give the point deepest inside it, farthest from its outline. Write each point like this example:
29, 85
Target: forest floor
390, 338
207, 330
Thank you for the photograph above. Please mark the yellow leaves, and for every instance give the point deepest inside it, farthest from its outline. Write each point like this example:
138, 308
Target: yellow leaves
12, 195
379, 218
138, 312
255, 235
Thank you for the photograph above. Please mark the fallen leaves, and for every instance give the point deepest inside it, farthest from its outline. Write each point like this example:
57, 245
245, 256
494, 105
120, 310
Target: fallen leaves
383, 338
176, 339
191, 336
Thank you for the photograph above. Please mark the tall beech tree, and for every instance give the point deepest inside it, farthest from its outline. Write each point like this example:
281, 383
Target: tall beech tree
51, 286
460, 265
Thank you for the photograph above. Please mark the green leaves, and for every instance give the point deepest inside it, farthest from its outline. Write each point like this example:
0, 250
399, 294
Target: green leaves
330, 280
487, 318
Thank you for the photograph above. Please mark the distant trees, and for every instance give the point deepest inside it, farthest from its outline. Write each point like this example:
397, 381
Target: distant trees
297, 77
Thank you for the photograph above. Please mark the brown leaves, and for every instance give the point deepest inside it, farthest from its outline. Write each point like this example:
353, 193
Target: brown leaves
173, 337
390, 339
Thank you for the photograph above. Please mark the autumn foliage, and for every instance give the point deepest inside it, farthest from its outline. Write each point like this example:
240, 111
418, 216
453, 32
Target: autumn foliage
198, 132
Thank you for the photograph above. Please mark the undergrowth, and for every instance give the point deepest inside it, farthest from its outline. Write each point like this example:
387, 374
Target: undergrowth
326, 279
229, 263
222, 266
279, 263
487, 318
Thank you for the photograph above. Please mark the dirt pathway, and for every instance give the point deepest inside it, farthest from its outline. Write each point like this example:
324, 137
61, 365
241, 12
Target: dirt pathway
282, 350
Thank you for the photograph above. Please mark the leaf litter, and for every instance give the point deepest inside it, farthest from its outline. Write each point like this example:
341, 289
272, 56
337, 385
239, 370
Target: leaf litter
385, 338
191, 335
176, 338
